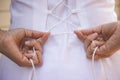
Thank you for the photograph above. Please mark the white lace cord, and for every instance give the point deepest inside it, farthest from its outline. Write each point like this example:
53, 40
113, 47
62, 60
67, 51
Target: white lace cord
67, 16
64, 19
59, 3
33, 74
93, 65
55, 25
56, 34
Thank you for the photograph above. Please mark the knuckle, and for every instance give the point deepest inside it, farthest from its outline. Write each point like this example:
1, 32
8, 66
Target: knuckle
20, 64
34, 42
89, 56
97, 57
106, 55
6, 40
40, 50
103, 55
21, 29
39, 41
38, 63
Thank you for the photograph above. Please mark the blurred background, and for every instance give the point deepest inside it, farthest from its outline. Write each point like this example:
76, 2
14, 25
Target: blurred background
5, 15
117, 8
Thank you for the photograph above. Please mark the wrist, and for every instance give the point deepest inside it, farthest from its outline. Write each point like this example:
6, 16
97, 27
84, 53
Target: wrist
1, 32
2, 35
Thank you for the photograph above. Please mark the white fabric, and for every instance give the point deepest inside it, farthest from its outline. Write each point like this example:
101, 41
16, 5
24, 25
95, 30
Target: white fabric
64, 57
93, 68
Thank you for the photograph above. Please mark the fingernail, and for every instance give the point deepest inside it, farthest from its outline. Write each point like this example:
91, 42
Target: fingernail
27, 42
48, 33
76, 31
96, 33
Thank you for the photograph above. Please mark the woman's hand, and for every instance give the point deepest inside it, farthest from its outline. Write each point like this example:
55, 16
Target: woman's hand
14, 46
106, 37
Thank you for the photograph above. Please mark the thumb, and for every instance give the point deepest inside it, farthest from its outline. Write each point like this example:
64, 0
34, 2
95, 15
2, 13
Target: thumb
89, 39
80, 35
85, 32
44, 38
33, 33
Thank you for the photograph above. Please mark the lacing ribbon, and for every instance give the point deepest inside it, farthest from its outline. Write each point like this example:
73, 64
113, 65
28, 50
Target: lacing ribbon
50, 12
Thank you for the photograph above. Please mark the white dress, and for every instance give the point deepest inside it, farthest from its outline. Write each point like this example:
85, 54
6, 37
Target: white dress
64, 57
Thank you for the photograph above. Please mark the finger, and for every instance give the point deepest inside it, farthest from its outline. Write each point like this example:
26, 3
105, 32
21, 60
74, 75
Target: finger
33, 43
28, 55
25, 62
43, 39
80, 35
38, 51
33, 34
36, 61
39, 57
89, 39
92, 47
96, 29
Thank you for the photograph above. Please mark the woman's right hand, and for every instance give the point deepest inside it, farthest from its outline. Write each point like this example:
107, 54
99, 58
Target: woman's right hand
14, 46
106, 37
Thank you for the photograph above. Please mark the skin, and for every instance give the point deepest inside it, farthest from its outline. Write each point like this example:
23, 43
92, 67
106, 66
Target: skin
106, 37
14, 45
